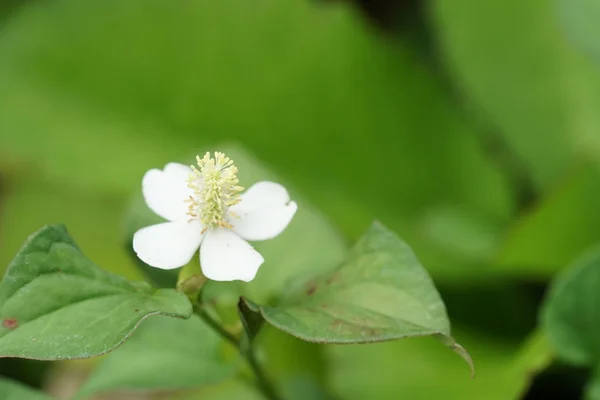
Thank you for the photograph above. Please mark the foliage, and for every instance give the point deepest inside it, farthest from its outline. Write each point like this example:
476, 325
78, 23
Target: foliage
469, 128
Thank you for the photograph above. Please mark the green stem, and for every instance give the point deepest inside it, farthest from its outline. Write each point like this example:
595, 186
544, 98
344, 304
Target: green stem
210, 321
264, 384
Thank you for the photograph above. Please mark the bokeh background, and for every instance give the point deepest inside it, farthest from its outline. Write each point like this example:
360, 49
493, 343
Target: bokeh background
471, 128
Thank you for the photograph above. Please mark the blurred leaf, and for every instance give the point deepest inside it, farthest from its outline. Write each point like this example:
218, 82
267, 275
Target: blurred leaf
570, 314
55, 302
416, 369
557, 230
34, 147
460, 232
10, 390
165, 353
581, 19
305, 388
511, 59
169, 77
305, 378
94, 219
229, 390
592, 390
380, 293
535, 356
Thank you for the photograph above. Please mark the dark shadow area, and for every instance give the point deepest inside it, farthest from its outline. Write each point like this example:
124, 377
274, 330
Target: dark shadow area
30, 372
503, 309
558, 382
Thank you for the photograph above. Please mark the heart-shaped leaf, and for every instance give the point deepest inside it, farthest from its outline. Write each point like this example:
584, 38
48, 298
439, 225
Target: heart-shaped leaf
380, 293
166, 353
10, 390
56, 304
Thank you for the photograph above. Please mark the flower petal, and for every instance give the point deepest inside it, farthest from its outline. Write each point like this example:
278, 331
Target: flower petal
165, 191
224, 256
168, 245
264, 211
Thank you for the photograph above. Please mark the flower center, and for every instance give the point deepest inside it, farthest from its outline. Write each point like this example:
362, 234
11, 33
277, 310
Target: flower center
215, 187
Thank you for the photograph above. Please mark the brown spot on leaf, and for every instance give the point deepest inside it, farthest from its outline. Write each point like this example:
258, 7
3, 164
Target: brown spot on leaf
336, 323
311, 288
137, 310
333, 278
372, 332
10, 323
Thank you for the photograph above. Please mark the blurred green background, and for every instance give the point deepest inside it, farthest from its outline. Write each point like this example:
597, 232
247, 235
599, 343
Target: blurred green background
471, 128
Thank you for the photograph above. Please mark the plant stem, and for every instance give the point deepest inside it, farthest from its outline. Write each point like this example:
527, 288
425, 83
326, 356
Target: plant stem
210, 321
263, 382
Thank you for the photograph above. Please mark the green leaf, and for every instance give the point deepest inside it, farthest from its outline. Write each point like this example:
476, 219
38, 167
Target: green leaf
165, 353
191, 83
306, 378
417, 369
10, 390
570, 313
380, 293
93, 219
229, 390
56, 304
534, 356
592, 390
305, 388
510, 58
560, 228
581, 19
250, 318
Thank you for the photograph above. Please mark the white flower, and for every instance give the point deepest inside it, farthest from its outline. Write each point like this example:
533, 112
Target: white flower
205, 210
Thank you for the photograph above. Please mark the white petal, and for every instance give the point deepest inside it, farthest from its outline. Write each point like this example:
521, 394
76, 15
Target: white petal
224, 256
264, 211
168, 245
166, 191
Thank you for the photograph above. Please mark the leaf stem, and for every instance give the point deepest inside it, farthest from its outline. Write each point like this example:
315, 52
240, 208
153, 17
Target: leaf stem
210, 321
263, 382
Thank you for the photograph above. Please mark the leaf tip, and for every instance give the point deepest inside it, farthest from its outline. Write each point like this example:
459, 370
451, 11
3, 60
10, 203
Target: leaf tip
461, 351
252, 306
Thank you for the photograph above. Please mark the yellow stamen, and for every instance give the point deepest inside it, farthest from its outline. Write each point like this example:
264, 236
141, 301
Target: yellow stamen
215, 187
